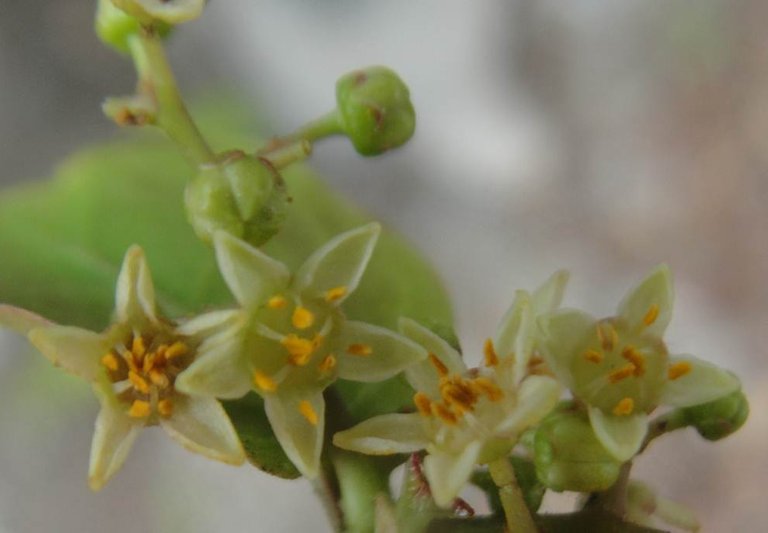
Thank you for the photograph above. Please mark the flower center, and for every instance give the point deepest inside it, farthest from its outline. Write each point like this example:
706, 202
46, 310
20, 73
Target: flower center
143, 370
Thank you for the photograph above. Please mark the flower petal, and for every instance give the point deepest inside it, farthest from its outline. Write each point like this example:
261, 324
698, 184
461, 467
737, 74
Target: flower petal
221, 369
514, 336
20, 320
250, 274
298, 421
135, 293
389, 355
422, 376
537, 396
649, 304
205, 323
78, 351
201, 425
621, 436
112, 440
548, 297
339, 264
563, 333
448, 473
704, 382
385, 435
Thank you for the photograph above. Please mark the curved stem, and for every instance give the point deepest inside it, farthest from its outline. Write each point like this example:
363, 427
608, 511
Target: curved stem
519, 519
157, 80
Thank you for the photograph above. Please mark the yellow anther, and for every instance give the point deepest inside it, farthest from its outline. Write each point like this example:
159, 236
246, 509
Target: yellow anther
679, 369
140, 409
442, 370
491, 357
651, 316
459, 394
264, 382
165, 407
149, 363
138, 348
302, 318
159, 378
335, 294
299, 349
111, 362
359, 349
278, 301
444, 413
624, 407
622, 373
594, 356
489, 388
308, 412
138, 382
631, 354
177, 349
423, 403
327, 364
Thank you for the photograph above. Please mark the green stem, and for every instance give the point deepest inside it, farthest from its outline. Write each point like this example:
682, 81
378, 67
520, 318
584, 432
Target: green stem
519, 519
157, 80
663, 424
360, 483
325, 126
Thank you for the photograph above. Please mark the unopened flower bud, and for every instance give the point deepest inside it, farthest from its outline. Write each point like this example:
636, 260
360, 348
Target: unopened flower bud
244, 196
375, 110
168, 11
568, 456
719, 418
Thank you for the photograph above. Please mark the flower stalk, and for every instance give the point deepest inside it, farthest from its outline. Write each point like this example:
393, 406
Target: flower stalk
517, 514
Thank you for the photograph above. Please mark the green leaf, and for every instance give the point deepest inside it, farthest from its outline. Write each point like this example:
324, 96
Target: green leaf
259, 442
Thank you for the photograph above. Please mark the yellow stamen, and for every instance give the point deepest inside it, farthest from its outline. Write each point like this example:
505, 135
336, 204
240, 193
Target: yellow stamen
423, 403
489, 388
679, 369
327, 364
458, 394
278, 301
149, 363
444, 413
177, 349
138, 382
359, 349
651, 316
308, 412
139, 409
622, 373
165, 407
624, 407
491, 357
594, 356
159, 378
264, 382
299, 349
442, 370
111, 362
302, 318
608, 336
335, 294
138, 347
631, 354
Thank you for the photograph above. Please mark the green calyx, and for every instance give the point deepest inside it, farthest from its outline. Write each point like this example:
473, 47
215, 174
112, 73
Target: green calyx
375, 110
115, 27
150, 12
568, 456
717, 419
244, 196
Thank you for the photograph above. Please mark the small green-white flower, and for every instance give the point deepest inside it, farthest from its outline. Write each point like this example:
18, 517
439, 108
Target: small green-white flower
133, 367
289, 339
620, 368
467, 416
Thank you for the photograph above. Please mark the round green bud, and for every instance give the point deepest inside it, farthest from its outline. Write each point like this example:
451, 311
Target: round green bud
568, 456
115, 27
375, 110
244, 196
719, 418
168, 11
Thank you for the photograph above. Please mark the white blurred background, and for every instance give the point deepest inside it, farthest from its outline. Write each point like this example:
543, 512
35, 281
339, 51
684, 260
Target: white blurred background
603, 137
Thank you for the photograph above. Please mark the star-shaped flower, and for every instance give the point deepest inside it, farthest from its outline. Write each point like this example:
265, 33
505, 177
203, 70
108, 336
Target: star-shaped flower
620, 368
289, 339
133, 367
467, 416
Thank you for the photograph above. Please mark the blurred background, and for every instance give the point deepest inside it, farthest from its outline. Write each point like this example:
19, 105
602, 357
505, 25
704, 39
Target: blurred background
605, 137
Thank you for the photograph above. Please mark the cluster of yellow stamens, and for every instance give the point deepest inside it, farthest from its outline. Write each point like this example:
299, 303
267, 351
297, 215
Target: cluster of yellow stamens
458, 394
144, 370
